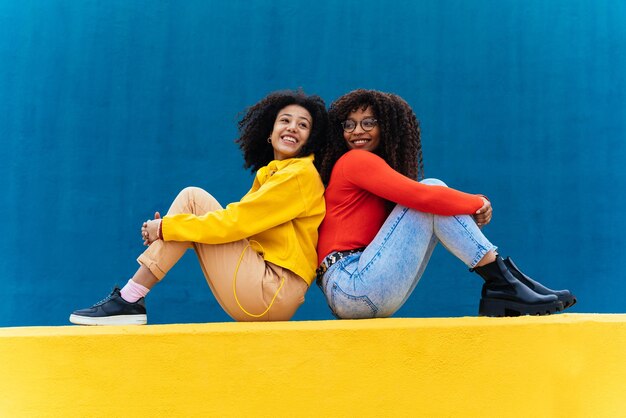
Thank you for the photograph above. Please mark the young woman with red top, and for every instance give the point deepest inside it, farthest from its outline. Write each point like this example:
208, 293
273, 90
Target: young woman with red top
382, 224
258, 254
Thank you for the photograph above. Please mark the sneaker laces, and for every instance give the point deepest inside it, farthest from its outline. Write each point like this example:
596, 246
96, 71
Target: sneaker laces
108, 298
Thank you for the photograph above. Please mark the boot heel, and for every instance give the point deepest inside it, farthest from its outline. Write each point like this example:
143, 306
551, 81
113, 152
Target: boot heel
493, 307
501, 307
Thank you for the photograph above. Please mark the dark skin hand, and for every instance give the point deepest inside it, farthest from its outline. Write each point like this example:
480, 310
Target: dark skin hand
484, 214
150, 229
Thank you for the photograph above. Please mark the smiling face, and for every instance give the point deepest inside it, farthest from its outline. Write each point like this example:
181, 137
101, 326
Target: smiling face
359, 138
291, 131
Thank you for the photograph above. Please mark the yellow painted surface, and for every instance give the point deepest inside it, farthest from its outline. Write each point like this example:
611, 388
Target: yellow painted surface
557, 366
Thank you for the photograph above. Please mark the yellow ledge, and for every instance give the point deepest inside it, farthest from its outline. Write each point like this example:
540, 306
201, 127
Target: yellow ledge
557, 366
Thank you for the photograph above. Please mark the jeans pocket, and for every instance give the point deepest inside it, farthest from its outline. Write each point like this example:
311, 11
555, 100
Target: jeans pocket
347, 306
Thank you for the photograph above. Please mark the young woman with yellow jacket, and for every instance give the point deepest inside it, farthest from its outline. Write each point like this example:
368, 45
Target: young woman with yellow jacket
258, 255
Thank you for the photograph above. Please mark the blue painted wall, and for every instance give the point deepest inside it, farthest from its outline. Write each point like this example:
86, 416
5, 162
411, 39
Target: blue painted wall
107, 109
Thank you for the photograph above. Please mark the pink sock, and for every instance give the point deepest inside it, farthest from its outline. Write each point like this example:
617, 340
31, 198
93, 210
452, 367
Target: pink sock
132, 291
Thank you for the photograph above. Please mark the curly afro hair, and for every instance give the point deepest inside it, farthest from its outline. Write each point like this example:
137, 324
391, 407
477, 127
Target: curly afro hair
258, 123
400, 144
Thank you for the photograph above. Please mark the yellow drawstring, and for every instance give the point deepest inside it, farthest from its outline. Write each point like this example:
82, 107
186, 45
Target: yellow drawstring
235, 283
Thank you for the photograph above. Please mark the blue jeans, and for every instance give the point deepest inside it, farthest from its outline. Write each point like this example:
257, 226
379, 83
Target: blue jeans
376, 282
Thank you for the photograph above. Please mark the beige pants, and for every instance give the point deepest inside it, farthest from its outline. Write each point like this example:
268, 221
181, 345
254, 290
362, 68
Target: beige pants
257, 280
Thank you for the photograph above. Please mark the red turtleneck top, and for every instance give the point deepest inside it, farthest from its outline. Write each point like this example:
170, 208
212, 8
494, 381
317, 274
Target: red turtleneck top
361, 193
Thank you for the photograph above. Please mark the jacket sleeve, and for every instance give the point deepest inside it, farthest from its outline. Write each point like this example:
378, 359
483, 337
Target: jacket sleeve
370, 172
277, 201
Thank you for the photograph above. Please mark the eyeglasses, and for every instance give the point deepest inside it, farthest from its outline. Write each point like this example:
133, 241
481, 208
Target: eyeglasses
367, 124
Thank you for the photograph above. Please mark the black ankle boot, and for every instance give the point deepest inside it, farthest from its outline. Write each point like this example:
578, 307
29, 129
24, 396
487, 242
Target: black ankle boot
504, 295
565, 296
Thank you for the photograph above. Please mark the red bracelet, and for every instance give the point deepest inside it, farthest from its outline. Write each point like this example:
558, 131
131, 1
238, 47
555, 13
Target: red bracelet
160, 230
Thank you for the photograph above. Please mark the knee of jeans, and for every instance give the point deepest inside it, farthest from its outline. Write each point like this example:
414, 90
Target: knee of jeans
433, 182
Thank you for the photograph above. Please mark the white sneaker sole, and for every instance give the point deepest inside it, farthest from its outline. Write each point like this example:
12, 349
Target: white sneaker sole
141, 319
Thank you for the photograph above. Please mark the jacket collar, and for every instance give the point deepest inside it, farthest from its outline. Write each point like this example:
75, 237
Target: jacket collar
275, 165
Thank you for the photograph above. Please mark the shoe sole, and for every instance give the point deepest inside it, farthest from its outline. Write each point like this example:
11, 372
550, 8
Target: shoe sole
499, 307
141, 319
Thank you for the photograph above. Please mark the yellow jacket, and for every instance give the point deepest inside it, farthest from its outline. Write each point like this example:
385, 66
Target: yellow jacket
282, 212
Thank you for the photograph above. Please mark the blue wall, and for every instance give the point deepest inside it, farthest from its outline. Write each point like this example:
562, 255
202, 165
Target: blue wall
108, 108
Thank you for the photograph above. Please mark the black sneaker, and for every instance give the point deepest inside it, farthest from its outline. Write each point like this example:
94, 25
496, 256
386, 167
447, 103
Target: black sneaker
112, 310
